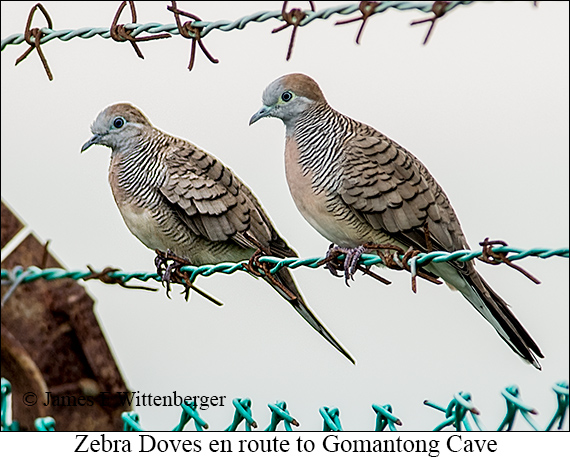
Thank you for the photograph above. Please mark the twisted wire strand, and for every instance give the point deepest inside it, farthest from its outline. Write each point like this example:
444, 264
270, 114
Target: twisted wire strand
19, 275
222, 25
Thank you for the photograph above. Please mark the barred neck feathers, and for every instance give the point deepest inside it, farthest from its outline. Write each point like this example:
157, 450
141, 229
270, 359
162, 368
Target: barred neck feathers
320, 134
140, 170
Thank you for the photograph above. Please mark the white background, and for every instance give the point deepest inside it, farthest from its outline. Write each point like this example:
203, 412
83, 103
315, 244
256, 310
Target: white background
484, 105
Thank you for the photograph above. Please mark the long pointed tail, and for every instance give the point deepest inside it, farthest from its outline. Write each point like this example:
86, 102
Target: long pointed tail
285, 279
500, 316
494, 309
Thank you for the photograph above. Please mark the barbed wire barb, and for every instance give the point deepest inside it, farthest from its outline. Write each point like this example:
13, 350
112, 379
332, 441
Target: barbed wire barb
193, 32
438, 9
120, 33
366, 10
198, 29
37, 35
293, 17
266, 266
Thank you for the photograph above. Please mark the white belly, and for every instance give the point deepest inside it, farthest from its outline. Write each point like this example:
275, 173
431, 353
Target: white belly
142, 225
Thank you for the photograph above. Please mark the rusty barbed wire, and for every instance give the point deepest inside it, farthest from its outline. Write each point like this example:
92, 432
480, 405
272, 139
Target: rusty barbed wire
261, 269
366, 10
438, 9
37, 34
186, 274
45, 254
173, 273
105, 277
187, 30
492, 257
294, 18
198, 29
393, 257
120, 33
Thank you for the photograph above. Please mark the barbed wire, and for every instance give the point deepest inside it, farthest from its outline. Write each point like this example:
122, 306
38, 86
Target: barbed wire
456, 414
225, 25
196, 29
19, 275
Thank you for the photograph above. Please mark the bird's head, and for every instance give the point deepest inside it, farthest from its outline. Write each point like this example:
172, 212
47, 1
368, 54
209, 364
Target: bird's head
117, 126
289, 97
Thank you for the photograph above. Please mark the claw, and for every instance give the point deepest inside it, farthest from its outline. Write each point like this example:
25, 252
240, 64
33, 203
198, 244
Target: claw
167, 271
333, 269
171, 273
331, 261
160, 262
350, 264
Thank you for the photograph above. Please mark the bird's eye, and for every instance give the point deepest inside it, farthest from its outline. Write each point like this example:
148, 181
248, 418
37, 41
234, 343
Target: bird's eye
118, 122
286, 96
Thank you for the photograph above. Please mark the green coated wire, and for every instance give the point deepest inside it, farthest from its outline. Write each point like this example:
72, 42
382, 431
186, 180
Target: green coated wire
331, 419
131, 422
33, 273
456, 413
243, 411
6, 391
222, 25
460, 405
514, 405
189, 412
384, 417
562, 395
45, 424
279, 413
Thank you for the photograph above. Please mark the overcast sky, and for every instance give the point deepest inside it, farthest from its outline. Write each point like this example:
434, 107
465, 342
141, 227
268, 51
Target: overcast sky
484, 106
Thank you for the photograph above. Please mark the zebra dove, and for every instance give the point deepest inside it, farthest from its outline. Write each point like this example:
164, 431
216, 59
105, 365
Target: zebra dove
356, 187
176, 197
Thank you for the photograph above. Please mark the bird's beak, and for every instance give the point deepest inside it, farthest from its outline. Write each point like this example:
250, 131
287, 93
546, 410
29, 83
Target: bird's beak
93, 140
263, 112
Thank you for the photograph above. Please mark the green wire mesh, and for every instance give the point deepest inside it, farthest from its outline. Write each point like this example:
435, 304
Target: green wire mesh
331, 419
6, 390
243, 412
458, 408
384, 417
459, 414
279, 413
190, 412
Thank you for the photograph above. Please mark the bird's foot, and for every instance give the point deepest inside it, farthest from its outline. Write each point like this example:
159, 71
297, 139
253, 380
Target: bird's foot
168, 268
350, 264
172, 273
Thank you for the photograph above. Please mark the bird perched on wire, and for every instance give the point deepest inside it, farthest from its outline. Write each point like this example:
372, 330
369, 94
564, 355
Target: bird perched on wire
177, 198
357, 188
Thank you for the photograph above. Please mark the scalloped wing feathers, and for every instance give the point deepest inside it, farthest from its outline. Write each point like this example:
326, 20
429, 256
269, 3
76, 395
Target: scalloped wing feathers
214, 203
393, 191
